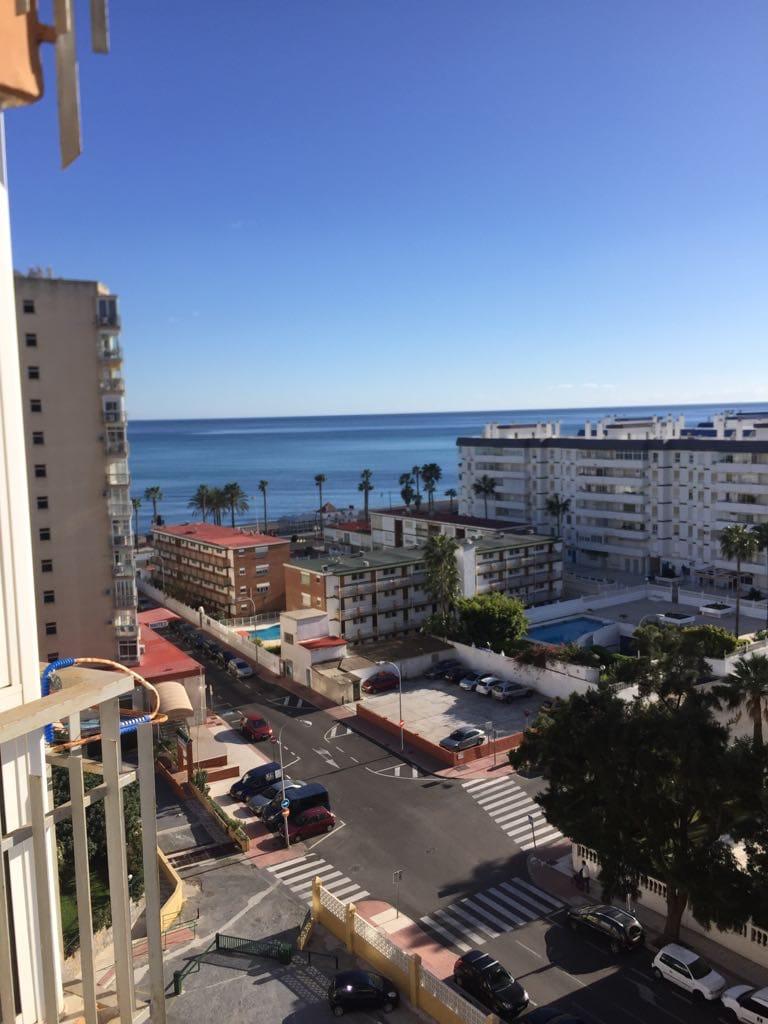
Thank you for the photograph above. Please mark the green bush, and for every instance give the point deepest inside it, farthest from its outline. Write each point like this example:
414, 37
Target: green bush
711, 641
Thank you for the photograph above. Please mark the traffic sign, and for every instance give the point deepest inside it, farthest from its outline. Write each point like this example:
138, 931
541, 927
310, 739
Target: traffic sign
285, 803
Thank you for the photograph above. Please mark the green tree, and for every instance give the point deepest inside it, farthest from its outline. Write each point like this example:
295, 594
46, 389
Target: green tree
431, 474
451, 495
747, 688
650, 789
236, 500
738, 544
485, 488
200, 501
407, 492
671, 663
557, 508
416, 474
136, 505
320, 479
155, 495
217, 503
442, 573
365, 486
490, 620
761, 532
263, 485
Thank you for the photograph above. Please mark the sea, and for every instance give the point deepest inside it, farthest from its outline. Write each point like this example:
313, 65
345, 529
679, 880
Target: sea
288, 451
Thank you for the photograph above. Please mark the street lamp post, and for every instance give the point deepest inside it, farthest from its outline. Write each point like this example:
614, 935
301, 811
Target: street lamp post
533, 830
283, 808
397, 877
400, 697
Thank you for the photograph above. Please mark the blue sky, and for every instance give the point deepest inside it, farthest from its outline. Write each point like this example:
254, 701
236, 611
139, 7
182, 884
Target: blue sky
386, 205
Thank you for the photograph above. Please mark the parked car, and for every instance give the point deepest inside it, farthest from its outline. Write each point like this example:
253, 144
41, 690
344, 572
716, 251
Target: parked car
622, 931
687, 969
456, 674
438, 670
255, 727
486, 683
197, 639
299, 800
361, 990
462, 739
311, 822
381, 682
260, 801
256, 780
224, 657
745, 1003
212, 649
510, 691
469, 680
239, 669
490, 983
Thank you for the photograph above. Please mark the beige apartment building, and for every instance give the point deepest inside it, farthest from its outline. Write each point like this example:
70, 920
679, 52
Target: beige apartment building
77, 462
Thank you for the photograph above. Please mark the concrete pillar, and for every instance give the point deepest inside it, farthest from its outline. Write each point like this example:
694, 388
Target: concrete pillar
151, 877
414, 979
316, 884
350, 927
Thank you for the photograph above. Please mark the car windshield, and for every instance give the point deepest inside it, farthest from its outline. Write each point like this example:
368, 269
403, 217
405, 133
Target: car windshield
699, 968
458, 734
257, 721
498, 978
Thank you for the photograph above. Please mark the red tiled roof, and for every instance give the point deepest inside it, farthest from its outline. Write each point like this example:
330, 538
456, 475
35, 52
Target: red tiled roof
322, 641
163, 660
153, 615
358, 526
221, 536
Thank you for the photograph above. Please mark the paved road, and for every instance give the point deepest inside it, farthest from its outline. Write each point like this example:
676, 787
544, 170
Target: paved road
463, 853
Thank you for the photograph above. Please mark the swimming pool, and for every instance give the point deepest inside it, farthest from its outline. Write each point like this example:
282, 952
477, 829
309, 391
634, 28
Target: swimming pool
265, 632
565, 631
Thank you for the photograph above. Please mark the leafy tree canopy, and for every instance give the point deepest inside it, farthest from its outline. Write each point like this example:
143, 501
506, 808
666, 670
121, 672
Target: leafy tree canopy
487, 620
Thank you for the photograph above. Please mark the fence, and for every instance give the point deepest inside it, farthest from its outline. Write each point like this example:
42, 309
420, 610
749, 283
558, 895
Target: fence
425, 991
272, 618
558, 679
749, 941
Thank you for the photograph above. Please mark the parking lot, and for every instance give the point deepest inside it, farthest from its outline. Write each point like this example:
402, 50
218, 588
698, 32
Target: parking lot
434, 708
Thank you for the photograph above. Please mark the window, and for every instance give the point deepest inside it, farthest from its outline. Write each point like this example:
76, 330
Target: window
33, 372
40, 470
35, 405
38, 437
45, 533
263, 588
28, 305
46, 565
304, 579
243, 589
49, 597
50, 629
241, 571
241, 551
31, 340
288, 638
263, 570
42, 501
306, 600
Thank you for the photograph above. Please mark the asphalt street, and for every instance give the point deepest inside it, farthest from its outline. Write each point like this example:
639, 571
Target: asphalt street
463, 859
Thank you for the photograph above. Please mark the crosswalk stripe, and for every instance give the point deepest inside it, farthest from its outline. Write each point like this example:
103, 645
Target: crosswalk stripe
499, 895
518, 828
286, 864
508, 816
476, 786
298, 866
494, 904
514, 811
489, 798
304, 872
451, 917
544, 835
526, 900
333, 881
452, 941
480, 909
347, 890
498, 802
513, 899
541, 894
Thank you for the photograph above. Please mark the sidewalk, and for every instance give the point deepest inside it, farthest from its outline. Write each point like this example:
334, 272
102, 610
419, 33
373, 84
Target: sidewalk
557, 879
406, 934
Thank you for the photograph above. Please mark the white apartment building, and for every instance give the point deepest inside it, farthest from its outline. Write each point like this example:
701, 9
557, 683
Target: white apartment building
75, 434
647, 495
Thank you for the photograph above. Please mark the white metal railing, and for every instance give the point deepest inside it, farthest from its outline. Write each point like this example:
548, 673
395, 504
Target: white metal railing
451, 999
332, 905
382, 943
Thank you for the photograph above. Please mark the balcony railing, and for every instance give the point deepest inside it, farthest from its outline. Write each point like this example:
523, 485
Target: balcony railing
116, 447
125, 625
124, 568
116, 508
112, 385
110, 354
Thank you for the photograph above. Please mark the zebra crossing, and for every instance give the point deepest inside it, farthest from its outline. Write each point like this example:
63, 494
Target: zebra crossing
514, 811
298, 874
473, 920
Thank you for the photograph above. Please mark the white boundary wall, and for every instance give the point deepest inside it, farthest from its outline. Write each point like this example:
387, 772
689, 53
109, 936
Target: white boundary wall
556, 680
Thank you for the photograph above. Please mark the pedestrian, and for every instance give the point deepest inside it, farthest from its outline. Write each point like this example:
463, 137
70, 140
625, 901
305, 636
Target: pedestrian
584, 872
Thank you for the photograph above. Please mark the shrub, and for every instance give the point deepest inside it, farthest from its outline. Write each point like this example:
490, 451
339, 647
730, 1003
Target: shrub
200, 780
538, 655
761, 634
711, 641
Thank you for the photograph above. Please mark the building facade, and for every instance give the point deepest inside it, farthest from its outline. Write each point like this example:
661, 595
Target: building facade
647, 495
229, 572
77, 462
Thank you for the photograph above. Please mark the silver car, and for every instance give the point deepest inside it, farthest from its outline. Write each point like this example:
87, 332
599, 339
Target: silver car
462, 739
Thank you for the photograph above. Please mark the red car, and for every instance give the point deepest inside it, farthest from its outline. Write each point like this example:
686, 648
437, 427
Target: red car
310, 823
381, 682
254, 727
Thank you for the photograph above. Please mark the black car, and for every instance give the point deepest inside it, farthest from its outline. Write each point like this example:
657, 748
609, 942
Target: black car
256, 781
224, 657
438, 670
361, 990
453, 675
551, 1015
490, 983
619, 929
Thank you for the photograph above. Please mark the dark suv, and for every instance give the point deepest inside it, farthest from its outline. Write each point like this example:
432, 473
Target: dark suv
361, 990
490, 983
619, 929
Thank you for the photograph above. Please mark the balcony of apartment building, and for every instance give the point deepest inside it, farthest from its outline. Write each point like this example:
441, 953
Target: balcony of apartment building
109, 350
113, 412
118, 504
633, 516
112, 384
744, 501
124, 566
353, 590
125, 623
118, 474
592, 492
124, 594
116, 442
211, 563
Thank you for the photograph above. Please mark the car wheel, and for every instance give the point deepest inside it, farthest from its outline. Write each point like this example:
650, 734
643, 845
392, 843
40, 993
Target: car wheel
732, 1015
338, 1011
388, 1007
293, 839
657, 974
698, 995
329, 827
457, 981
615, 947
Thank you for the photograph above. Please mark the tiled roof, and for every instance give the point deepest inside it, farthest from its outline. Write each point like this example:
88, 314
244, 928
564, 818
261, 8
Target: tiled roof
220, 536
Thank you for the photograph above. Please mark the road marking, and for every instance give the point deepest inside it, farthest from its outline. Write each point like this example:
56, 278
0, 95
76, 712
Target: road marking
326, 756
354, 759
531, 951
339, 825
398, 771
311, 866
510, 807
337, 732
306, 721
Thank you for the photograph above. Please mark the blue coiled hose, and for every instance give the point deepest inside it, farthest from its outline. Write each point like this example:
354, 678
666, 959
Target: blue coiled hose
126, 725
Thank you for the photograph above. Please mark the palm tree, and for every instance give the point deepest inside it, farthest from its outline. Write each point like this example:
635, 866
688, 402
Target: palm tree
320, 479
442, 573
236, 499
761, 532
416, 474
153, 494
217, 502
738, 544
747, 687
558, 507
485, 488
136, 503
263, 485
406, 488
431, 475
366, 487
200, 500
451, 494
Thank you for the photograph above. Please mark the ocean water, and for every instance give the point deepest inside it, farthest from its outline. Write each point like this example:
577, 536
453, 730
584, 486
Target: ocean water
178, 455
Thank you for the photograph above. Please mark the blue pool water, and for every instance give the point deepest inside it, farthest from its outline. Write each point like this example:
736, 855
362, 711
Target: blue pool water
265, 633
565, 631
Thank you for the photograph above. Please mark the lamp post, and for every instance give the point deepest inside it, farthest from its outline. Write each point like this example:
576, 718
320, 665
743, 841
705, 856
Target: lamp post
161, 560
283, 809
533, 830
392, 665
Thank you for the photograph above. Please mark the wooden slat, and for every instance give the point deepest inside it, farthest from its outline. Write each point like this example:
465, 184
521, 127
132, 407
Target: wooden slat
68, 94
7, 987
49, 951
82, 875
151, 876
99, 26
